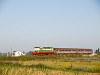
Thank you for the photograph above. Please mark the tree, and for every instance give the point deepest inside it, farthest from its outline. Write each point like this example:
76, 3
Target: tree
97, 51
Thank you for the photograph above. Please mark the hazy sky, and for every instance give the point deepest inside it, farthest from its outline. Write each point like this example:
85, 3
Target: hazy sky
58, 23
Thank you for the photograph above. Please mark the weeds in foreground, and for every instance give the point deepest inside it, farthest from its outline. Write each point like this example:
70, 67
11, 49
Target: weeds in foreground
10, 68
47, 65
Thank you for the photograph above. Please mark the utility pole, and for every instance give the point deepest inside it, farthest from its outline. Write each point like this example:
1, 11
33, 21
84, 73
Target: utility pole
7, 54
11, 52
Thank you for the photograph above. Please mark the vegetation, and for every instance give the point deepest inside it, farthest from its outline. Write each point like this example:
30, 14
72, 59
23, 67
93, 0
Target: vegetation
48, 65
97, 51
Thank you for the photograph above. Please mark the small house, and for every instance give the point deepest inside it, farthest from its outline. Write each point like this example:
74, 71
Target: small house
18, 53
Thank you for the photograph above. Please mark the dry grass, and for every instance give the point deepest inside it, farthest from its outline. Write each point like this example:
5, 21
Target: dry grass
42, 65
56, 64
30, 71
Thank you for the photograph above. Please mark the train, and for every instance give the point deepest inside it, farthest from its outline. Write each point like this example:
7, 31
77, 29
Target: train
43, 51
51, 51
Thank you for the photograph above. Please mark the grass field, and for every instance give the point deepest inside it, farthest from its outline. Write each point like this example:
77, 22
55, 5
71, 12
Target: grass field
47, 65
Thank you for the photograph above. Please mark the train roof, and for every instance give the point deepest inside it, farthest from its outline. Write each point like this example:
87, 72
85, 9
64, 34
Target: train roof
64, 48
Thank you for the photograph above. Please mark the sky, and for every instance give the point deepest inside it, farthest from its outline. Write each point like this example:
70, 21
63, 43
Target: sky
25, 24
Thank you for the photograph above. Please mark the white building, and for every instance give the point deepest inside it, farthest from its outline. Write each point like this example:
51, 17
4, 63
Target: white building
18, 53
